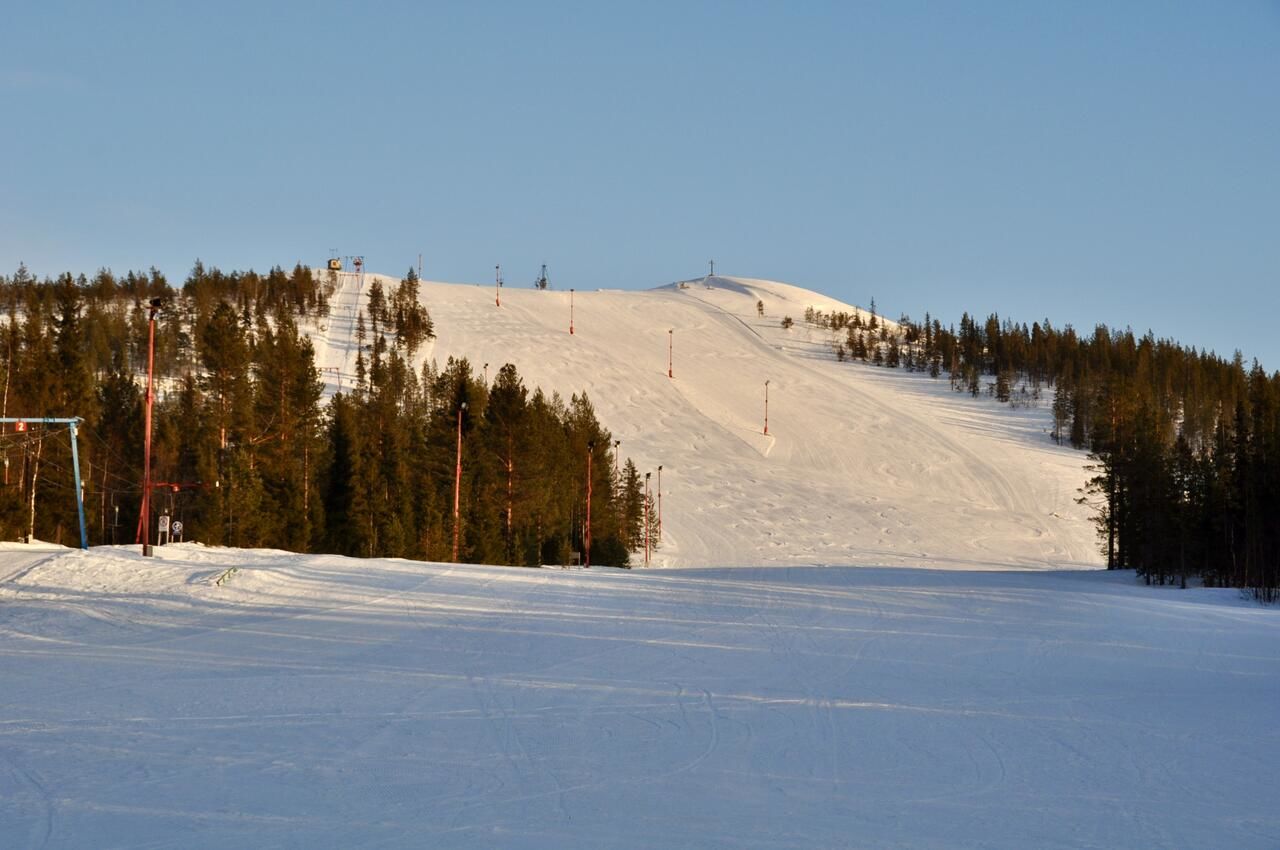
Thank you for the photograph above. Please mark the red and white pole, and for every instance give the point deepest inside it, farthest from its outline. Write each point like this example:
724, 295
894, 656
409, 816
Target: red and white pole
670, 337
766, 408
457, 485
146, 440
570, 311
497, 285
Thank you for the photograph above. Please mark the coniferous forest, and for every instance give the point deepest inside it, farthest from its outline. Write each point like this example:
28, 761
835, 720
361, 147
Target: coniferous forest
244, 452
1185, 445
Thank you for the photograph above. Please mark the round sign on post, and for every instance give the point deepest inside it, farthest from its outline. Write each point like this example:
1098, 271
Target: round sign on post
177, 527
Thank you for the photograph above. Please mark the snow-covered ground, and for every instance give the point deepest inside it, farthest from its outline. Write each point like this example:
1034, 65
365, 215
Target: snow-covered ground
317, 702
861, 465
881, 636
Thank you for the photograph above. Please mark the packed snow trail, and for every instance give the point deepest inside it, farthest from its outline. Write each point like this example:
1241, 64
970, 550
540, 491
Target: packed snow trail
325, 702
336, 337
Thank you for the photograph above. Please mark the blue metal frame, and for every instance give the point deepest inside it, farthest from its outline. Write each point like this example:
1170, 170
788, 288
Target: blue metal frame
73, 422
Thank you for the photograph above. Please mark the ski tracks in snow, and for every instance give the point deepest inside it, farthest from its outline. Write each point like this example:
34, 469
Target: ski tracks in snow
41, 830
997, 507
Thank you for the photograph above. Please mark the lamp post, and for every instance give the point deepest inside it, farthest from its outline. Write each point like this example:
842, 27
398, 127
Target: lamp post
497, 285
457, 484
646, 518
586, 533
146, 440
570, 310
670, 337
659, 500
766, 408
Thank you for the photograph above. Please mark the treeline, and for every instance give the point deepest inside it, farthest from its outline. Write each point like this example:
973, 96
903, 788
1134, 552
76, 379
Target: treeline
527, 463
1186, 444
246, 454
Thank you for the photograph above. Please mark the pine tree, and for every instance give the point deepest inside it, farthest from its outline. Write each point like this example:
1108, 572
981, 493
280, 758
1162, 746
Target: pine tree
224, 354
894, 356
344, 498
506, 416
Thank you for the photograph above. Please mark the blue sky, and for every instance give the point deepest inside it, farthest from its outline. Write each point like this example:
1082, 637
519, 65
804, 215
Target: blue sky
1089, 162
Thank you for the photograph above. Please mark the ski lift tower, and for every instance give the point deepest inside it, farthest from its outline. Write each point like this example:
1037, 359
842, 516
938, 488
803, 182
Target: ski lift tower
21, 425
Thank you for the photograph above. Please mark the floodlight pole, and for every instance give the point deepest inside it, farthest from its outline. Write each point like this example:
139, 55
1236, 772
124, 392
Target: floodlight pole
646, 518
670, 349
497, 285
586, 535
616, 443
571, 311
457, 484
766, 408
146, 451
659, 500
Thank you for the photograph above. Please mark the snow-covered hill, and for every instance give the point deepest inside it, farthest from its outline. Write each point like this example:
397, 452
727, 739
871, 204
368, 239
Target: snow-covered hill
231, 698
815, 695
860, 466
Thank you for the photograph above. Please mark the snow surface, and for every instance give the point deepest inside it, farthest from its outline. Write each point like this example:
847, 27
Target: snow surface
994, 695
862, 465
317, 701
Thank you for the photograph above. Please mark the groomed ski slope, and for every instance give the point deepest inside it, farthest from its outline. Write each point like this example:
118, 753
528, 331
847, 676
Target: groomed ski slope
880, 636
322, 702
861, 465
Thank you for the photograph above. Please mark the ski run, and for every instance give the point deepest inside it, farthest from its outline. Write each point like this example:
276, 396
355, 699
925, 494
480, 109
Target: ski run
882, 624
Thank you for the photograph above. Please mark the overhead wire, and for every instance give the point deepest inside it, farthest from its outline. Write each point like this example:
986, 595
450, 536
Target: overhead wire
129, 486
113, 454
